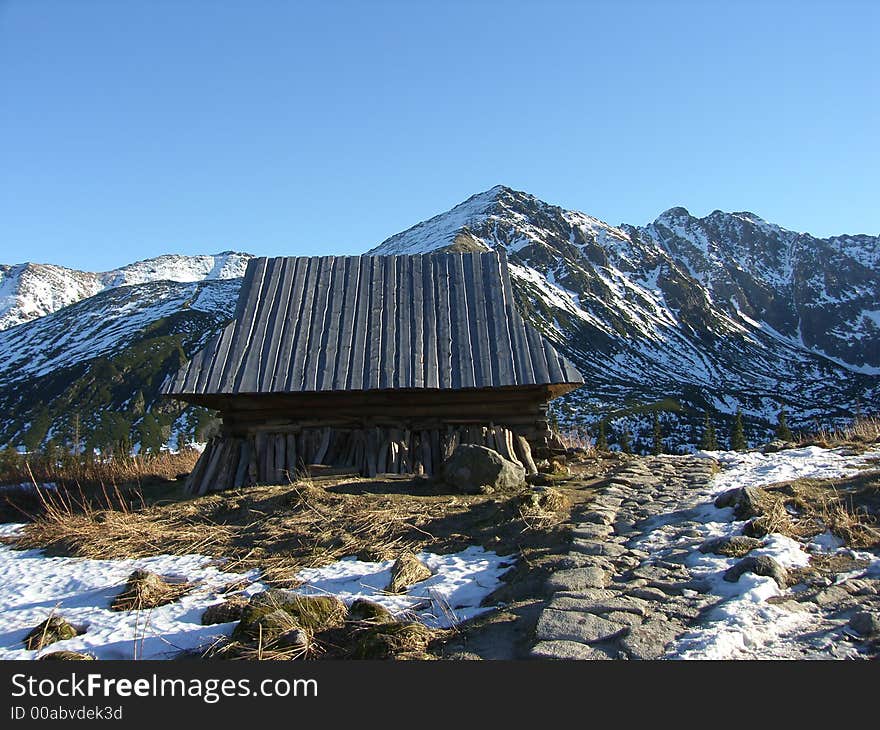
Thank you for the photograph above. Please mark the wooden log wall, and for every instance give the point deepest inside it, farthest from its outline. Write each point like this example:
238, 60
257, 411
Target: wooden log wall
266, 457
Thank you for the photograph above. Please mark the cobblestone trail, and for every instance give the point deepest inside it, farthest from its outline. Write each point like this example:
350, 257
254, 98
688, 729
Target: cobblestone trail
627, 588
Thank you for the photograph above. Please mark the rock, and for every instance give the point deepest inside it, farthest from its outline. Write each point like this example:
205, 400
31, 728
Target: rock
315, 613
777, 445
144, 589
866, 623
750, 502
574, 602
832, 596
264, 624
53, 629
587, 628
406, 571
295, 638
591, 531
593, 547
385, 641
647, 593
599, 517
568, 650
222, 613
67, 656
542, 499
727, 498
366, 611
576, 579
475, 469
758, 527
649, 641
734, 547
761, 565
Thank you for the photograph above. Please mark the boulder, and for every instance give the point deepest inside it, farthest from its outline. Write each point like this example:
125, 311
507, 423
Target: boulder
727, 498
473, 469
760, 565
406, 571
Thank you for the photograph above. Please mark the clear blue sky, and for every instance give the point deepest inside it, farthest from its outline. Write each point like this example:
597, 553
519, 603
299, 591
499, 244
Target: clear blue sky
130, 129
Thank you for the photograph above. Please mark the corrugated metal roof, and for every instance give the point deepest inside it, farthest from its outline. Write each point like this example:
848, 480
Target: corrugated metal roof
336, 323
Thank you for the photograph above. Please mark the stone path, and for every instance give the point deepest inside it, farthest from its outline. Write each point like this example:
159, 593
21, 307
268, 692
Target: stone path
612, 599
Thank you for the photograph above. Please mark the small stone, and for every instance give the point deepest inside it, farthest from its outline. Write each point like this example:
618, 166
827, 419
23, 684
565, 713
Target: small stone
751, 502
592, 547
832, 596
406, 571
727, 498
53, 629
761, 565
599, 517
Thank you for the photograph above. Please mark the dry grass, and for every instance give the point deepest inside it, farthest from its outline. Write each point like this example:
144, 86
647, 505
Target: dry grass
804, 508
69, 470
282, 529
860, 431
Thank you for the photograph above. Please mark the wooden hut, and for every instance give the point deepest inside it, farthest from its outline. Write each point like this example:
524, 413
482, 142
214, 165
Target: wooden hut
376, 364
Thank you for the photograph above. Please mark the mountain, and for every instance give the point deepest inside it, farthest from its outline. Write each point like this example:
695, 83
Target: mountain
90, 370
681, 316
29, 291
707, 313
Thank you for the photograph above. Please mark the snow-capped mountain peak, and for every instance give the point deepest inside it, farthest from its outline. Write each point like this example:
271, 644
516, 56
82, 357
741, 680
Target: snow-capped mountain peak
29, 291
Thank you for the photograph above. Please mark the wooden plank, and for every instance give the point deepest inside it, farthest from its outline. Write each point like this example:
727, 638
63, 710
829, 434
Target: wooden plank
516, 327
462, 350
323, 445
389, 326
541, 371
444, 323
252, 362
403, 314
358, 365
211, 471
282, 322
326, 365
271, 316
417, 324
296, 373
292, 325
524, 452
280, 458
478, 320
195, 476
372, 451
503, 367
253, 463
429, 323
375, 334
244, 458
290, 447
349, 297
425, 456
260, 456
245, 316
317, 332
